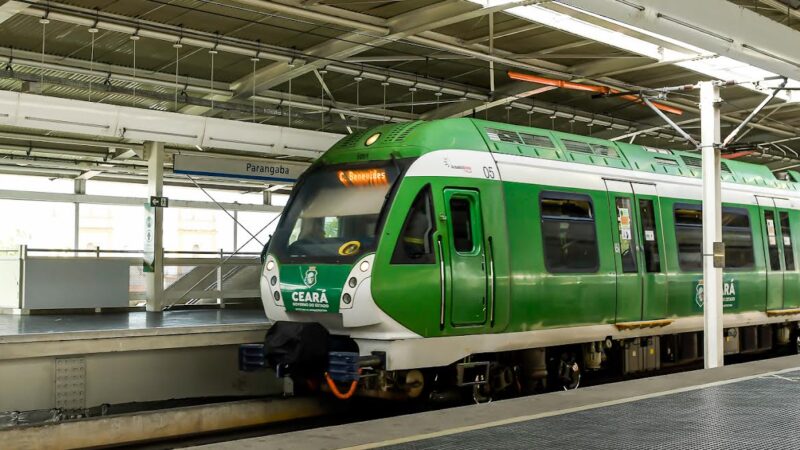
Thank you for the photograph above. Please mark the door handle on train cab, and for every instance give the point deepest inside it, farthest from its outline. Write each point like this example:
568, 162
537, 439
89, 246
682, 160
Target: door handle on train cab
441, 282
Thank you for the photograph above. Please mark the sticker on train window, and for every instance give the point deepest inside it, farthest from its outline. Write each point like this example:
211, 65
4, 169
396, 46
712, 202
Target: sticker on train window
649, 235
771, 232
349, 248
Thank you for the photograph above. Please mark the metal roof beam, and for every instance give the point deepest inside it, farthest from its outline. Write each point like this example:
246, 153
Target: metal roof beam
507, 33
432, 17
716, 26
10, 8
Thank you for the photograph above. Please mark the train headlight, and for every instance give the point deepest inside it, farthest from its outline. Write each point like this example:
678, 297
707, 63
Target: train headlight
352, 282
346, 298
270, 265
277, 296
273, 281
364, 266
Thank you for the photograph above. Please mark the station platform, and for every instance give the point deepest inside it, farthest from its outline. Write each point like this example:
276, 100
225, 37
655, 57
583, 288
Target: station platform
749, 405
75, 361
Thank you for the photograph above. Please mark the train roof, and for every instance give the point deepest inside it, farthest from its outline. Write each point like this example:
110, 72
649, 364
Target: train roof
413, 139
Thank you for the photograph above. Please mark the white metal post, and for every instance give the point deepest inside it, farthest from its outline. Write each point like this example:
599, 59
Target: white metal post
712, 222
219, 276
154, 152
79, 187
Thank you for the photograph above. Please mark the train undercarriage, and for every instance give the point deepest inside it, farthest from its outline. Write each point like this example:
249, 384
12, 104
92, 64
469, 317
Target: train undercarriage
337, 368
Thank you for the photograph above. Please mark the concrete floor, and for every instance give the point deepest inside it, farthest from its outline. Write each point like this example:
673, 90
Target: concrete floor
446, 428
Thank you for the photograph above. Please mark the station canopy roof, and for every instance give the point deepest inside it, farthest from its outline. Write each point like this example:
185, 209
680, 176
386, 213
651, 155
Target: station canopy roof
344, 65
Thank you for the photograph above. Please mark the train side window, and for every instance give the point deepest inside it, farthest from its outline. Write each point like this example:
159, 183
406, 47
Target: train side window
569, 233
461, 219
689, 236
788, 249
772, 241
652, 261
738, 239
415, 243
736, 234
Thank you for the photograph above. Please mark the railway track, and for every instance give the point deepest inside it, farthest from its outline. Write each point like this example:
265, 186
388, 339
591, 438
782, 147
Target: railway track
225, 421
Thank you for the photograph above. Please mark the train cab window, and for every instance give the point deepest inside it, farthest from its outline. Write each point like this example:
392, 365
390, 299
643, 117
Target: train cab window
652, 261
786, 232
415, 243
738, 239
330, 227
689, 235
569, 233
772, 241
461, 220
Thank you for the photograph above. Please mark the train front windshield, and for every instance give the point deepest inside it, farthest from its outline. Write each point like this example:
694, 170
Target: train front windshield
334, 215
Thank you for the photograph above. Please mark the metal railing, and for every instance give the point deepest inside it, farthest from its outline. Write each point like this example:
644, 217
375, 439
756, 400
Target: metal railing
178, 265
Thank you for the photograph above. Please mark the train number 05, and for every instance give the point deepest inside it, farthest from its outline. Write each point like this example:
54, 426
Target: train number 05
488, 172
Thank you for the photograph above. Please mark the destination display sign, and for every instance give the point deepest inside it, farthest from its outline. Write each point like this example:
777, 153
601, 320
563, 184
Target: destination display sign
241, 168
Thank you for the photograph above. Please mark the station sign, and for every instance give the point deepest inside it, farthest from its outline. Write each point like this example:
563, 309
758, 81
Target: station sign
149, 256
159, 202
241, 168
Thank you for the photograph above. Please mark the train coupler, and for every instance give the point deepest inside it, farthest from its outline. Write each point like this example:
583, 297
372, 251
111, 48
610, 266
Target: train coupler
343, 367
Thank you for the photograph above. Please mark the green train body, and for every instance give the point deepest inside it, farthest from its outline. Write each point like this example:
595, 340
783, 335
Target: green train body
431, 242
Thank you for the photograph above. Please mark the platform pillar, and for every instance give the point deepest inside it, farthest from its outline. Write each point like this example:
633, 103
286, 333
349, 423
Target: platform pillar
712, 223
154, 228
79, 187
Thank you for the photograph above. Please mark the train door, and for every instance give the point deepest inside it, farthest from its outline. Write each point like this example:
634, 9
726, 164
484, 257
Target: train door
771, 229
791, 278
641, 282
465, 257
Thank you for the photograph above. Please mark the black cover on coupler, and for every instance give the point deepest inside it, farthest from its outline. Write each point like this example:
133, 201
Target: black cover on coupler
296, 348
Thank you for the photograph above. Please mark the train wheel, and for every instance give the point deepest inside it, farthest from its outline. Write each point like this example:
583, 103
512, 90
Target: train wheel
569, 372
481, 393
414, 383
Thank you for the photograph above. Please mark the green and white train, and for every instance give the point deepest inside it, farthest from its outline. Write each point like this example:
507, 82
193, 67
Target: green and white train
491, 255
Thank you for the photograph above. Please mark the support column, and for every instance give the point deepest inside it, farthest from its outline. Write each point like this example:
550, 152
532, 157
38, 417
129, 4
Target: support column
154, 218
712, 223
79, 188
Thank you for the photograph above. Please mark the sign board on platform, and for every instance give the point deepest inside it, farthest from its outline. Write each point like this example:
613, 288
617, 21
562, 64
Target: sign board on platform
149, 258
242, 168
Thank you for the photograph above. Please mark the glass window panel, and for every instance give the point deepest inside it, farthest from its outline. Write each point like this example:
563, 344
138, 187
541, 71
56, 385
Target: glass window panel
568, 233
772, 241
37, 184
736, 234
139, 190
193, 229
255, 223
788, 247
111, 227
415, 243
627, 242
652, 261
461, 220
689, 235
738, 239
43, 225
